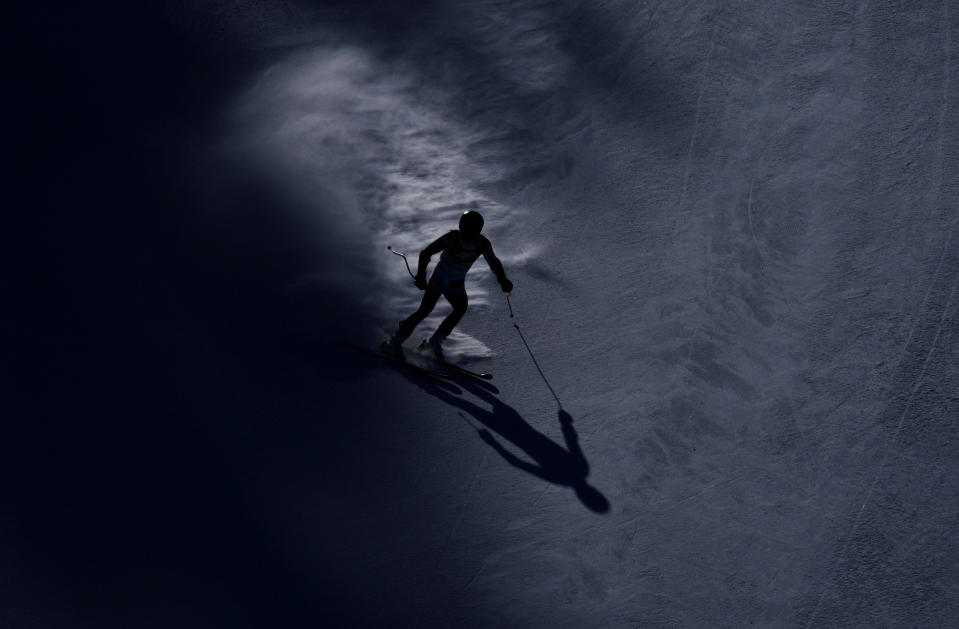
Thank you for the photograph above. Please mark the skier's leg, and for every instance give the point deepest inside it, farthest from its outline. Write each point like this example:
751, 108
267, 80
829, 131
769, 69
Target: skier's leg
407, 325
456, 295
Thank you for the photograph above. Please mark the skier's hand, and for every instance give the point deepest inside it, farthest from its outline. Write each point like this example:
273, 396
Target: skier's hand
420, 282
507, 286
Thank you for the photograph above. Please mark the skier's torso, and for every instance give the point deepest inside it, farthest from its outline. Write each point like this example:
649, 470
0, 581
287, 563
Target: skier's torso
459, 254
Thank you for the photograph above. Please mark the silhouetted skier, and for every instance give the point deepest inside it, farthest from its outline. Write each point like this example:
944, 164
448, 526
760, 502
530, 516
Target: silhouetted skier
460, 249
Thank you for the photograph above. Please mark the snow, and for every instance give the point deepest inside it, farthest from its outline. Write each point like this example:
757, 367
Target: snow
733, 235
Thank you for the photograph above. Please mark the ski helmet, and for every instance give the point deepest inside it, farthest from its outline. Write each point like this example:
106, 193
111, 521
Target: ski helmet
471, 223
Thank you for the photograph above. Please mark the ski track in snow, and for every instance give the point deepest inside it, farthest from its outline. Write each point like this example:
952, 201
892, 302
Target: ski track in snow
913, 390
881, 466
704, 81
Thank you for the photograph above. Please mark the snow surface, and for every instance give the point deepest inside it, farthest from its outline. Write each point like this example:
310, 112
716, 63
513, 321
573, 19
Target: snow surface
730, 390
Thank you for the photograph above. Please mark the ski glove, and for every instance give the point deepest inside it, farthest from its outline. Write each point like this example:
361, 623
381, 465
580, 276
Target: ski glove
420, 282
507, 286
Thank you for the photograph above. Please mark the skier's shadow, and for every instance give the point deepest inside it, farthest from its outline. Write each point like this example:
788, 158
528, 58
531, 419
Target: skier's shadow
550, 461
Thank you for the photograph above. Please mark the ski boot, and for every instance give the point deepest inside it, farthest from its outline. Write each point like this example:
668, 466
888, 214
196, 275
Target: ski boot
434, 346
394, 345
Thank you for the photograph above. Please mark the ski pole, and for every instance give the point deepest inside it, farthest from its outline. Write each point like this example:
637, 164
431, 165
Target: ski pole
403, 255
533, 356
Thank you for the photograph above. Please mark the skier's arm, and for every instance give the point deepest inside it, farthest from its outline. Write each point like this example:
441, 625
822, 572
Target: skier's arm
431, 249
497, 268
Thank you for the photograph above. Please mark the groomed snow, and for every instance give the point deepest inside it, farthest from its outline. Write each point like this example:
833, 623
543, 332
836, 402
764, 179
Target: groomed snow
732, 233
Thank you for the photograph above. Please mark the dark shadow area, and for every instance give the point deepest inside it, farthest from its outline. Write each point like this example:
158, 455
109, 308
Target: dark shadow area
150, 404
375, 359
258, 255
483, 384
549, 461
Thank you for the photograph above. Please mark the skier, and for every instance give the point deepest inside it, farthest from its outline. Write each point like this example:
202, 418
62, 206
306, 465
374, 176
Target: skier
460, 249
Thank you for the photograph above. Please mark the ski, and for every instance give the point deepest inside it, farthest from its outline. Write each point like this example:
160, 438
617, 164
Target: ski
466, 372
439, 375
423, 351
